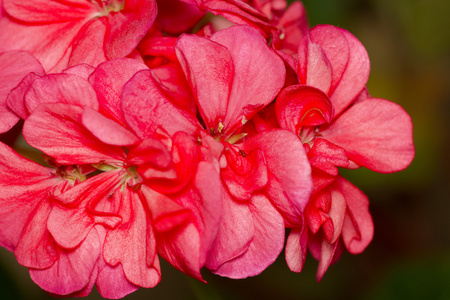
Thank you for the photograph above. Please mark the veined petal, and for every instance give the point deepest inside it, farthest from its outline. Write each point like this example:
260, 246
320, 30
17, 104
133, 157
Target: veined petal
108, 80
15, 66
72, 271
19, 197
146, 108
382, 139
314, 68
265, 246
210, 71
60, 88
133, 244
128, 27
71, 222
288, 169
57, 130
111, 282
236, 233
36, 248
106, 130
41, 11
259, 73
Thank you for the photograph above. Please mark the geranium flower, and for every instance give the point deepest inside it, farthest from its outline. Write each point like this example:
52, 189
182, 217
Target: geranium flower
63, 34
340, 126
237, 76
113, 224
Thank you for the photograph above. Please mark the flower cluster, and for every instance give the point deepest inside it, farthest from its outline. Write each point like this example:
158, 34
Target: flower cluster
195, 131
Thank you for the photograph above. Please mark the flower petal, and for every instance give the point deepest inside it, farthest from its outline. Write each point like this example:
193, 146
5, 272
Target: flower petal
15, 66
382, 139
108, 80
358, 228
72, 272
106, 130
57, 130
146, 108
265, 246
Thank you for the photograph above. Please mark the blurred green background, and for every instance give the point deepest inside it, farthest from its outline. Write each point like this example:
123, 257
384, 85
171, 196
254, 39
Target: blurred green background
409, 46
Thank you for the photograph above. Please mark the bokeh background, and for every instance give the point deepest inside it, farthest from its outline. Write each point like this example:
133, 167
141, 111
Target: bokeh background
408, 42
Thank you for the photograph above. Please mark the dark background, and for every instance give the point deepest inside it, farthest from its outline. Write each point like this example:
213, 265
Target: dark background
408, 42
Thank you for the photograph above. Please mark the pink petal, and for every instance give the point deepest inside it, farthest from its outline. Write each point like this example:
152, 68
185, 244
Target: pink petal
236, 233
146, 108
48, 42
337, 213
56, 130
166, 213
358, 228
381, 140
288, 168
314, 68
71, 222
210, 77
36, 248
16, 97
265, 246
81, 70
296, 248
72, 272
88, 44
128, 27
112, 283
60, 88
41, 11
108, 80
20, 197
132, 244
186, 245
259, 73
299, 106
336, 48
106, 130
15, 66
245, 173
349, 62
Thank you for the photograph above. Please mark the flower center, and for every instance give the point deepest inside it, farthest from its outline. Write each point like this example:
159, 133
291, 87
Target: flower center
105, 7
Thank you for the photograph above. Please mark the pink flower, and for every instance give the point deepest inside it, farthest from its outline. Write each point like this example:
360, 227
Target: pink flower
340, 126
237, 76
109, 228
62, 34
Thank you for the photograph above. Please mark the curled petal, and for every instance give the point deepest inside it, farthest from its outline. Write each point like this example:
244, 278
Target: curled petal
245, 173
298, 106
296, 248
15, 66
358, 228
